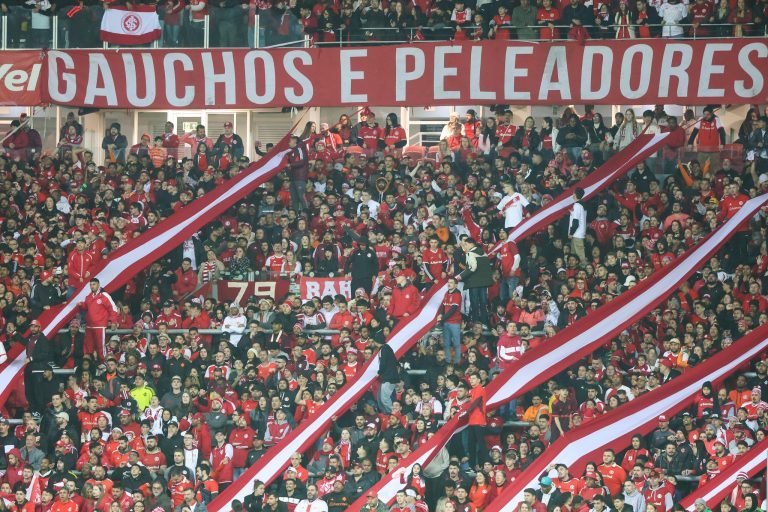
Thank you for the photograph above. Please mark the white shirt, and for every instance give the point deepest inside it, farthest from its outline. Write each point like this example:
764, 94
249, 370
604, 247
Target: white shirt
313, 506
578, 213
373, 208
235, 327
512, 207
671, 15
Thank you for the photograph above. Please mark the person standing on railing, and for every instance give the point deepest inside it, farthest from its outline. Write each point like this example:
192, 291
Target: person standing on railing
477, 277
100, 313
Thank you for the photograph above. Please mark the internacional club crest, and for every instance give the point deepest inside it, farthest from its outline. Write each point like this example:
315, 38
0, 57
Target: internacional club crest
131, 23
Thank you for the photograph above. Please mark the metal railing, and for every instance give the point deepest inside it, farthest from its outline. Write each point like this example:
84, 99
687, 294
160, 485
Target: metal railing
382, 35
259, 31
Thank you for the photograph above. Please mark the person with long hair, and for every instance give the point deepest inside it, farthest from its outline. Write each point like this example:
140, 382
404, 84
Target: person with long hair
487, 140
628, 131
309, 134
394, 135
624, 21
450, 127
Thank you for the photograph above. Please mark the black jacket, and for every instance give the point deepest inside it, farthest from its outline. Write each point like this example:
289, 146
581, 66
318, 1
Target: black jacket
363, 263
479, 273
389, 369
44, 295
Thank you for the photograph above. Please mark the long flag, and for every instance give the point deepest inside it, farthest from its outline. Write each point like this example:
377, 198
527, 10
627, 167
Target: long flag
615, 429
577, 341
716, 490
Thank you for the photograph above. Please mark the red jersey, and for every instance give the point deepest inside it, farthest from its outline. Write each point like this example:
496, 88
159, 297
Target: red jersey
435, 263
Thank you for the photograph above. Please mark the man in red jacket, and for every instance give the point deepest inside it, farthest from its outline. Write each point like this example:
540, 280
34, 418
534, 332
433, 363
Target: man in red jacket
78, 265
405, 298
100, 313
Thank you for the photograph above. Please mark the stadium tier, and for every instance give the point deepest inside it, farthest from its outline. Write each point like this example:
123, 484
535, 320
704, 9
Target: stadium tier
532, 279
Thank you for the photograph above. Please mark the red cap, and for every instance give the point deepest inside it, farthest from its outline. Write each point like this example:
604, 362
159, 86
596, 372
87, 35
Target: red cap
667, 363
228, 124
45, 275
35, 322
328, 440
662, 418
156, 367
591, 474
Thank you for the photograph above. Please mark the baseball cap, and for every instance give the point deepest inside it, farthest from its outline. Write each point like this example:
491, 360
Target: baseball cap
663, 418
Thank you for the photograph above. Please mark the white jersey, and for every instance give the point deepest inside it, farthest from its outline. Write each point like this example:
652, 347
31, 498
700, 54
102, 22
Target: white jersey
513, 209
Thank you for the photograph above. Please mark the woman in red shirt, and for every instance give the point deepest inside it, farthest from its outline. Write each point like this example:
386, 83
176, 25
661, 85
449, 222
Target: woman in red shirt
394, 136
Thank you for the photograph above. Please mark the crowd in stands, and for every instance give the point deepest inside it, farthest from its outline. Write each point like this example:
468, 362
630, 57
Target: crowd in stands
233, 23
161, 419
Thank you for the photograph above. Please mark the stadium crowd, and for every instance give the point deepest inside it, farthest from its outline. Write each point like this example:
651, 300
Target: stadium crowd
161, 419
233, 22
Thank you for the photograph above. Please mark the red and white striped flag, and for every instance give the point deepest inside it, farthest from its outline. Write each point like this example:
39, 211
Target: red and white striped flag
720, 487
123, 26
615, 429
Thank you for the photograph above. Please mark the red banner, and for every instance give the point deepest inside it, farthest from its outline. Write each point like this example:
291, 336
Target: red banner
20, 80
448, 73
312, 287
241, 291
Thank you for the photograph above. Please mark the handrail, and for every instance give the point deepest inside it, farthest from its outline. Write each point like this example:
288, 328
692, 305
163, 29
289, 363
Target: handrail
562, 31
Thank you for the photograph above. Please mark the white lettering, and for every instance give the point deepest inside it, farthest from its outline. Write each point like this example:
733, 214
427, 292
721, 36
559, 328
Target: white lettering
476, 66
14, 81
269, 76
313, 289
348, 76
148, 78
169, 67
33, 77
679, 71
307, 90
442, 72
402, 74
708, 69
226, 77
603, 74
556, 59
629, 70
99, 72
758, 81
511, 72
54, 77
